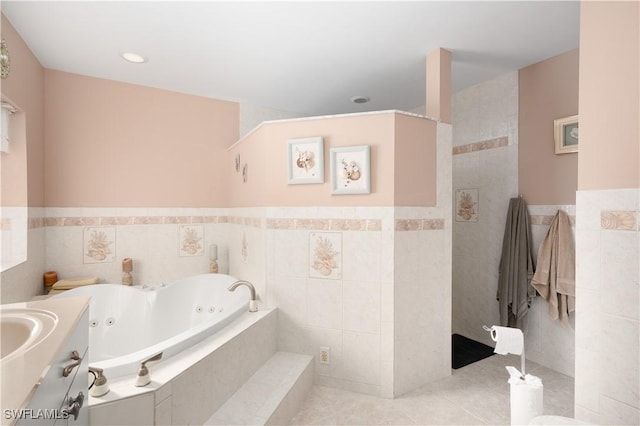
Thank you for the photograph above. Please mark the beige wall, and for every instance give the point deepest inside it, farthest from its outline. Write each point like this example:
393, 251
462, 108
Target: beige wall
25, 88
609, 102
264, 152
548, 90
113, 144
415, 162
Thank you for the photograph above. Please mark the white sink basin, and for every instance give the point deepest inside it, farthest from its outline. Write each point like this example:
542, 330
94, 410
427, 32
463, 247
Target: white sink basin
22, 328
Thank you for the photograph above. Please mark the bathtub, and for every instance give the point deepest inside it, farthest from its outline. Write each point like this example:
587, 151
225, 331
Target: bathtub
130, 324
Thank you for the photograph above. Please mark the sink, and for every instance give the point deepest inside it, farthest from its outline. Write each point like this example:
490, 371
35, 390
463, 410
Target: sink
22, 329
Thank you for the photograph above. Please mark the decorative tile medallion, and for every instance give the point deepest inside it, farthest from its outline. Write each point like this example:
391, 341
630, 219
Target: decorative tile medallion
325, 255
619, 220
467, 205
99, 244
191, 240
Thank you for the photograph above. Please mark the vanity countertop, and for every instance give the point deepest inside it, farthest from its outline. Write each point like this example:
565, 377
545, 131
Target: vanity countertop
21, 375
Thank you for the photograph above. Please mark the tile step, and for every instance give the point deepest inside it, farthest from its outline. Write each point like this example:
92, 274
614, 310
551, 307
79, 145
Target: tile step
272, 396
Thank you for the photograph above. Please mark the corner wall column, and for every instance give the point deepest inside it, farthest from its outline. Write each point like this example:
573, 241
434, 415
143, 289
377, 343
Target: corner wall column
439, 85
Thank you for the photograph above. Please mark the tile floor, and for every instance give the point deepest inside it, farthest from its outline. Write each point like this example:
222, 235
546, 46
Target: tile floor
472, 395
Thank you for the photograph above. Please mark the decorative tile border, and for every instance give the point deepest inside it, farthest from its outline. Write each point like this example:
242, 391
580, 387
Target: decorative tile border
481, 146
619, 220
254, 222
419, 224
36, 222
545, 220
325, 224
125, 220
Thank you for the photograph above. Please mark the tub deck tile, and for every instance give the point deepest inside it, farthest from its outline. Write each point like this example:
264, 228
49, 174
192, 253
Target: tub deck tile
272, 395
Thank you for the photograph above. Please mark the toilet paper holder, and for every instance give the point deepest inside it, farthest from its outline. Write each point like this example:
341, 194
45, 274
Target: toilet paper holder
522, 371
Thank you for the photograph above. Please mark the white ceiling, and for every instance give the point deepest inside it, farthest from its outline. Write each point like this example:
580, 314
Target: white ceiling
307, 57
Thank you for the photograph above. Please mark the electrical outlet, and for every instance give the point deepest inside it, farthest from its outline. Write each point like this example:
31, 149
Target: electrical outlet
325, 355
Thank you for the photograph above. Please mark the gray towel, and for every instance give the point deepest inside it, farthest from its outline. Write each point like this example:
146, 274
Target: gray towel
516, 267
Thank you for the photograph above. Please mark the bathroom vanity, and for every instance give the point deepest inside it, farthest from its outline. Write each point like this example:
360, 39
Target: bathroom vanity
43, 363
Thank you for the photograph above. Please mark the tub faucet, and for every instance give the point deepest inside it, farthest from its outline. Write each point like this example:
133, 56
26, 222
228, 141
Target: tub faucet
144, 378
253, 303
100, 386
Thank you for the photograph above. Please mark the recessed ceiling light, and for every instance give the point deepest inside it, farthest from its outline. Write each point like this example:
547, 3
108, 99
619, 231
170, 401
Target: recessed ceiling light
133, 57
360, 99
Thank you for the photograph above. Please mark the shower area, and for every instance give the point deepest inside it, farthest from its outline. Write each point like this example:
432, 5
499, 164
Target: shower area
502, 140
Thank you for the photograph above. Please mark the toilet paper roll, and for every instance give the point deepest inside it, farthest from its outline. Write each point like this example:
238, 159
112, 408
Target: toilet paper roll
508, 340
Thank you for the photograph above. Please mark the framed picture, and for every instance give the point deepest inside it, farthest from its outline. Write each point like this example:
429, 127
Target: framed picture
305, 160
566, 134
350, 170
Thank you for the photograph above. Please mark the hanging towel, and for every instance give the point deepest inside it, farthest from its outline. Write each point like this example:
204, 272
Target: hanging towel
516, 267
555, 275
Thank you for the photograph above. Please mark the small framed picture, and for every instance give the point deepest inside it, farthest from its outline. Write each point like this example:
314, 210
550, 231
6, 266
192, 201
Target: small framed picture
566, 134
305, 158
350, 170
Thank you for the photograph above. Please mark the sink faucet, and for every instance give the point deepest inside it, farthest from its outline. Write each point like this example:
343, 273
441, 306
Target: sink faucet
253, 303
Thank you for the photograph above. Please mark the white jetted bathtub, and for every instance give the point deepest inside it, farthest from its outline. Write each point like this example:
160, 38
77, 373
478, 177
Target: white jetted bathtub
130, 324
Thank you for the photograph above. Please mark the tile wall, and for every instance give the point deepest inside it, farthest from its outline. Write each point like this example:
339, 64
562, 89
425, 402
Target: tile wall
328, 270
422, 284
548, 342
485, 159
485, 162
350, 308
607, 305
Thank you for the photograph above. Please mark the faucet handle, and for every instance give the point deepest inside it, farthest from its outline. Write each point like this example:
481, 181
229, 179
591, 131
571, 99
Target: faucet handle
144, 378
156, 357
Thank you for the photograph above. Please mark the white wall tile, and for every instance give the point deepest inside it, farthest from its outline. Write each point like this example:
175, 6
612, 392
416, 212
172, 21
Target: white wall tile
613, 412
324, 337
588, 261
361, 357
324, 303
607, 327
620, 277
361, 256
361, 306
291, 254
292, 299
619, 355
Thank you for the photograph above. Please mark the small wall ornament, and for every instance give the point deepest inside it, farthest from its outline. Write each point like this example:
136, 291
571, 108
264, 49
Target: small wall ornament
5, 61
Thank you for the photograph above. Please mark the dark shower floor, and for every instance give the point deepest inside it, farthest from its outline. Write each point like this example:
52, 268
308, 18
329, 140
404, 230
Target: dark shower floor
465, 351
